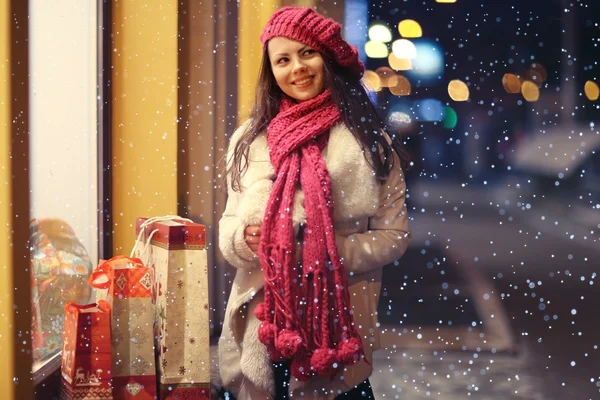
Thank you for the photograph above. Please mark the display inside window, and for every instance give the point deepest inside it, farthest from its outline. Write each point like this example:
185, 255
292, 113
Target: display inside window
60, 269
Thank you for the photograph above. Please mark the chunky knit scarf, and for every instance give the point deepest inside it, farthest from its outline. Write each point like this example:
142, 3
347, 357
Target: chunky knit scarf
306, 315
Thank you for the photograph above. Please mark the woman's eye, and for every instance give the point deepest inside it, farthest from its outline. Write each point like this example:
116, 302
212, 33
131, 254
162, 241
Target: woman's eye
282, 60
308, 52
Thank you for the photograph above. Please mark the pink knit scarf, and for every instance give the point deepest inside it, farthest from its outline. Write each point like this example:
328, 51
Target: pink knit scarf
306, 313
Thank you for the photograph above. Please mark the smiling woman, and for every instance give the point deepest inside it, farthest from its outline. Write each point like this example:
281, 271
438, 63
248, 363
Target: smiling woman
314, 140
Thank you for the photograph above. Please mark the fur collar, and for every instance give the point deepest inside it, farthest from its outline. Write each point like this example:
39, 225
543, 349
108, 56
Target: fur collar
354, 185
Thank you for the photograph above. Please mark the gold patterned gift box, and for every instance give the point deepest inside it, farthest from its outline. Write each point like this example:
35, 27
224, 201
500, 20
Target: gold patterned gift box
176, 251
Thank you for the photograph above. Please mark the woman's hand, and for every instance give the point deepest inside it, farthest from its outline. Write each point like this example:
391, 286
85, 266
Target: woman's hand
252, 237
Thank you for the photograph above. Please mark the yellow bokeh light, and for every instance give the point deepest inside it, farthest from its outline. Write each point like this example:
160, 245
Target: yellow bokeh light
410, 29
445, 1
458, 90
380, 33
404, 48
530, 91
399, 85
385, 74
376, 49
399, 64
511, 83
592, 92
372, 81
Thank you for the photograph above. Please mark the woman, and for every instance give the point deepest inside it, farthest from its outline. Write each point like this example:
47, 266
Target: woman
315, 210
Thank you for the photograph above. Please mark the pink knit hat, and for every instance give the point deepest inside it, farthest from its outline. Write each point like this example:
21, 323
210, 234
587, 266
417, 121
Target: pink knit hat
305, 25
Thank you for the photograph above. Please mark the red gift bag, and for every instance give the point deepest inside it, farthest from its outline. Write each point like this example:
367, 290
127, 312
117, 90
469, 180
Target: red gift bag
127, 285
86, 356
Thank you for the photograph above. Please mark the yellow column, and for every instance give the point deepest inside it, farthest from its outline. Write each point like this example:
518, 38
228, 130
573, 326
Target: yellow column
252, 18
6, 281
144, 126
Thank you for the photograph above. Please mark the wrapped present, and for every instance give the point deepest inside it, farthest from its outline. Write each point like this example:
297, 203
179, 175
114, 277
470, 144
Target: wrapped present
126, 284
86, 353
176, 250
60, 268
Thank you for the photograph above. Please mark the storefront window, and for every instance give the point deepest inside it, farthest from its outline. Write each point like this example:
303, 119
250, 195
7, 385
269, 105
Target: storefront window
63, 165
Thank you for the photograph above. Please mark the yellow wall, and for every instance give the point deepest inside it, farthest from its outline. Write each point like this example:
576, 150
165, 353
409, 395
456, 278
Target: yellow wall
253, 16
6, 284
144, 128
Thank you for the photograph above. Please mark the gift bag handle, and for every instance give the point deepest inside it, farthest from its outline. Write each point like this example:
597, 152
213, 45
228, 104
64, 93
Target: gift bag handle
106, 271
147, 223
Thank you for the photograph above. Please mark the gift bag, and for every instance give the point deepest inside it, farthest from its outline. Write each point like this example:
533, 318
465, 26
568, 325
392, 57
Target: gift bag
176, 250
86, 356
126, 284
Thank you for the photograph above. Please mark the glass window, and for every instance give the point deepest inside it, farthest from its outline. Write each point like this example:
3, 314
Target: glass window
63, 160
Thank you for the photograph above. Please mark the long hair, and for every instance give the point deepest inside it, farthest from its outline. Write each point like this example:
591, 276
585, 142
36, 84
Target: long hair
356, 109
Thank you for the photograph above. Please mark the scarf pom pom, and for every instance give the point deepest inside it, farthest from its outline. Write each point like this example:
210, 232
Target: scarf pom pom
300, 369
260, 312
324, 362
288, 343
266, 334
349, 351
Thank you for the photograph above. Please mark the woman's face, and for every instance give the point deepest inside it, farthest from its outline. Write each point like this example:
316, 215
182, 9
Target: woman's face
297, 68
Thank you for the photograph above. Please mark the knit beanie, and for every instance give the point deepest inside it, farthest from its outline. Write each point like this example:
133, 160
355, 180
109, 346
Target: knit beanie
306, 26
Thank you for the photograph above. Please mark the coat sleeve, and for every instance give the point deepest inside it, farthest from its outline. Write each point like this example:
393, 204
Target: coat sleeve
231, 227
388, 232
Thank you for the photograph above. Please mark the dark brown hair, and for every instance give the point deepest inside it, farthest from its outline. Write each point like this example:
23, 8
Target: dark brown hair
356, 110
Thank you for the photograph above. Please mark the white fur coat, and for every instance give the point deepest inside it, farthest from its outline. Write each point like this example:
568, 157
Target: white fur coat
371, 227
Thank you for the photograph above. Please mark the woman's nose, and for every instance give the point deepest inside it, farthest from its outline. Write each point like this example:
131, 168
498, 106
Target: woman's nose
298, 66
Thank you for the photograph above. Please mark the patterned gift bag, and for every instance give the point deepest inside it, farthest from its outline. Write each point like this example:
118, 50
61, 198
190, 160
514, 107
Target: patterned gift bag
176, 250
86, 356
127, 285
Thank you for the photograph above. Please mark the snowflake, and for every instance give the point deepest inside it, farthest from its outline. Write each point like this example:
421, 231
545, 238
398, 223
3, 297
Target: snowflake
181, 370
192, 340
180, 284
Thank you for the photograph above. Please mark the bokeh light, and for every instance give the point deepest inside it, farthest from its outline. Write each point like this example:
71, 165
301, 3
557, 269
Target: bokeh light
445, 1
376, 49
385, 74
511, 83
404, 48
530, 91
399, 85
428, 66
399, 64
410, 28
450, 118
591, 90
458, 90
399, 119
380, 33
430, 110
537, 73
372, 81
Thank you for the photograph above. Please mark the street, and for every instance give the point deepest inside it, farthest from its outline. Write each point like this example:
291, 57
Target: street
532, 332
